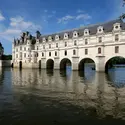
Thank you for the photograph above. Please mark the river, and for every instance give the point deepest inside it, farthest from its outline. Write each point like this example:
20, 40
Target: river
46, 97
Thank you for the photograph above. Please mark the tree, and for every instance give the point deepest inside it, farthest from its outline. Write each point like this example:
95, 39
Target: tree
123, 15
38, 34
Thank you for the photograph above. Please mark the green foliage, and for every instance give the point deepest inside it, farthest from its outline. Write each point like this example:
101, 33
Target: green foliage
7, 57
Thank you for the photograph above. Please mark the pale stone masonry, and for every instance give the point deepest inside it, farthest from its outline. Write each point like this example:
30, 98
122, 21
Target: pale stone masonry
99, 42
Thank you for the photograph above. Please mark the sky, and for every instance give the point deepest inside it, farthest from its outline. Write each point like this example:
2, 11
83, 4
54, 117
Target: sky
50, 16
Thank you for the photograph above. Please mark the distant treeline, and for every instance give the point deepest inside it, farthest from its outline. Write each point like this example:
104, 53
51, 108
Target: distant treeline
117, 60
6, 57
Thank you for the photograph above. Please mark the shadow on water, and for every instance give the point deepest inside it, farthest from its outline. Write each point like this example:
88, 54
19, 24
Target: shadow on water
31, 96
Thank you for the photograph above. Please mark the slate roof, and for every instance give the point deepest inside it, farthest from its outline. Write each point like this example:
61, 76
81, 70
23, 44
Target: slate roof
107, 26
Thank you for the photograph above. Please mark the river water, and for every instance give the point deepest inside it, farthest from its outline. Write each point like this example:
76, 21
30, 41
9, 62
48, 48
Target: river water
46, 97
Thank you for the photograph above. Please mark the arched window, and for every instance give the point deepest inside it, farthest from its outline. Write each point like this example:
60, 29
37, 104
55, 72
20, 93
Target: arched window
86, 51
42, 54
75, 34
99, 50
55, 53
65, 44
75, 42
49, 53
86, 41
65, 52
74, 52
43, 46
100, 39
56, 37
37, 55
86, 32
116, 49
65, 36
49, 45
116, 37
56, 45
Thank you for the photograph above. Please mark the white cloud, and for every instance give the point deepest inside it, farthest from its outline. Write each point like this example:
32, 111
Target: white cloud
12, 31
1, 17
83, 16
45, 11
68, 18
18, 25
65, 19
80, 11
53, 12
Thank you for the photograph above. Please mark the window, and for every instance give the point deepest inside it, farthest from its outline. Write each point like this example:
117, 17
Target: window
16, 50
99, 50
24, 48
65, 52
37, 47
28, 48
55, 53
100, 39
86, 32
74, 52
86, 41
56, 45
43, 46
100, 29
49, 45
42, 54
116, 37
37, 55
57, 37
116, 27
75, 34
75, 42
49, 53
65, 44
24, 54
116, 49
86, 51
16, 55
65, 36
21, 48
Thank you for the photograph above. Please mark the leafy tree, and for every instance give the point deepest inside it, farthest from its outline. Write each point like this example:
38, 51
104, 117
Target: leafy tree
123, 15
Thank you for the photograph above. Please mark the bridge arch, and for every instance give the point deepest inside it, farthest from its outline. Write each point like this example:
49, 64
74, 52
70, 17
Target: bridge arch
82, 62
20, 64
64, 63
50, 64
113, 61
39, 64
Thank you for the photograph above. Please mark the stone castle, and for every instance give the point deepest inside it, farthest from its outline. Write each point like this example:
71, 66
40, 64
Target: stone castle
99, 43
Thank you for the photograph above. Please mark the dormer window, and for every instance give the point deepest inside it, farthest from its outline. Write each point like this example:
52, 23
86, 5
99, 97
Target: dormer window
75, 34
65, 36
50, 38
37, 41
86, 32
116, 27
100, 29
56, 37
44, 39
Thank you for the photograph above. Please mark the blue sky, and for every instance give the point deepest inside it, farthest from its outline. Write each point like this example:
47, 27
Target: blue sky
50, 16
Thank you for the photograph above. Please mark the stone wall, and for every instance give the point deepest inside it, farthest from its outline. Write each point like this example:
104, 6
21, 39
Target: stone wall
26, 65
5, 63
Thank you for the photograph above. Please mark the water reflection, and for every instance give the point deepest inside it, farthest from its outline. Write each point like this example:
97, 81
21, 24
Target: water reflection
100, 95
